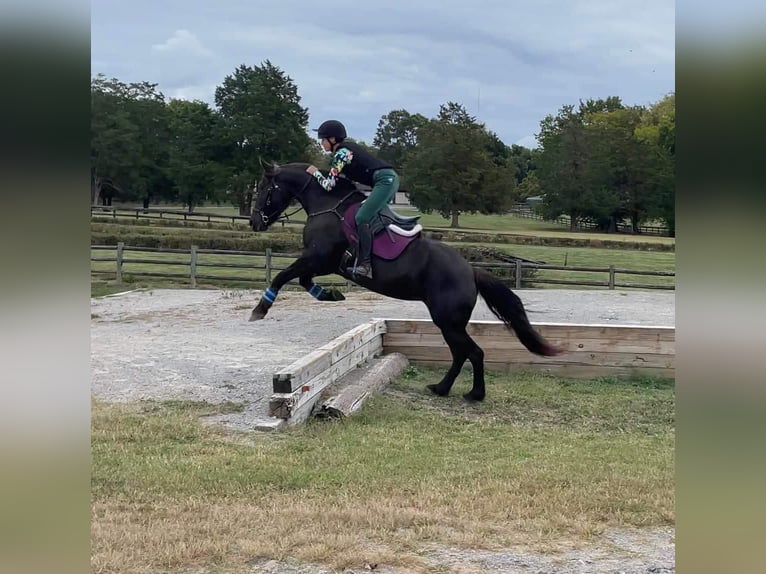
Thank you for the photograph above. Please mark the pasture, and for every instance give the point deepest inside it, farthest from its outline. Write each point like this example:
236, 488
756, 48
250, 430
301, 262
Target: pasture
216, 271
498, 223
547, 474
507, 233
543, 466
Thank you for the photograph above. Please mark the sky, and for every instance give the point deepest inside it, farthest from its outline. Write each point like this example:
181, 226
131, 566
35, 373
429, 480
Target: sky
510, 63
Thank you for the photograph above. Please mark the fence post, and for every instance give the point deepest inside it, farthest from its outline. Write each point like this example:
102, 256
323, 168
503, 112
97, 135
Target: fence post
268, 265
120, 247
193, 267
518, 274
611, 277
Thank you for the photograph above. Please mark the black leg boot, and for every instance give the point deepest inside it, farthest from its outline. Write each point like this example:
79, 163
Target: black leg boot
363, 265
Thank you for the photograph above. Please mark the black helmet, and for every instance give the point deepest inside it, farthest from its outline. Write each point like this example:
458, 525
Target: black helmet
332, 129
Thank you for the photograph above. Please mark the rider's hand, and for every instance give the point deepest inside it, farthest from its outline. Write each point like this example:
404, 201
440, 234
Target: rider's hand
311, 169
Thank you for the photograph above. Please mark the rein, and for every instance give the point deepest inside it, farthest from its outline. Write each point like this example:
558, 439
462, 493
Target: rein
335, 208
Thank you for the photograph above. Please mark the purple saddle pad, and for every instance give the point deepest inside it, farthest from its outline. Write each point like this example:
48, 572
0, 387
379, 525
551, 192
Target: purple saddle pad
387, 244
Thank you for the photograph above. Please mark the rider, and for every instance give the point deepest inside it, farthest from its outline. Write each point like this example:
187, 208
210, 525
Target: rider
358, 165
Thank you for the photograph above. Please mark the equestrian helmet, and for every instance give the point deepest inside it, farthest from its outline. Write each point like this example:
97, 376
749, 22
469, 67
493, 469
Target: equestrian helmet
332, 129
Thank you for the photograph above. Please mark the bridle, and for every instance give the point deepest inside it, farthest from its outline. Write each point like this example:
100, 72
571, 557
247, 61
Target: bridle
267, 218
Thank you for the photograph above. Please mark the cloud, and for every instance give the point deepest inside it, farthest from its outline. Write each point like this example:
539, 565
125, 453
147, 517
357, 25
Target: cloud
183, 41
509, 67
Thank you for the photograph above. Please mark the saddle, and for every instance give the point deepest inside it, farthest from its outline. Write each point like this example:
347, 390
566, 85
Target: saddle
391, 232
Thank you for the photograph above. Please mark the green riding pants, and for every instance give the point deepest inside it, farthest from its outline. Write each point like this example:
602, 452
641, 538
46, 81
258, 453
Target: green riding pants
385, 186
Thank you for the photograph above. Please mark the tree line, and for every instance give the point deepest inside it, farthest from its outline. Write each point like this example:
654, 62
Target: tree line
602, 162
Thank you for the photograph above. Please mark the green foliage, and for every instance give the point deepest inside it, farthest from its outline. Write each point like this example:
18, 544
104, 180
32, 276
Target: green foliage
263, 120
458, 166
601, 162
189, 152
129, 128
195, 129
605, 162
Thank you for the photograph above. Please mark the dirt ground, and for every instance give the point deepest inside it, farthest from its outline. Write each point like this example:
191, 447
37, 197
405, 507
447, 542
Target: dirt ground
199, 345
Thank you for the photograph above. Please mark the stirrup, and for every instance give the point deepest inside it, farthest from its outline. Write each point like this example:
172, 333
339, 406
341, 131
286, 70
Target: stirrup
355, 271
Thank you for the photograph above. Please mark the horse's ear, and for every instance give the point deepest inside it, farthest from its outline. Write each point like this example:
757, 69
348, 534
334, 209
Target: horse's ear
269, 169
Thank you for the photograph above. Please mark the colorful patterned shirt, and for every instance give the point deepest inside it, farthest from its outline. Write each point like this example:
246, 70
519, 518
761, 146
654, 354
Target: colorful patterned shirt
341, 159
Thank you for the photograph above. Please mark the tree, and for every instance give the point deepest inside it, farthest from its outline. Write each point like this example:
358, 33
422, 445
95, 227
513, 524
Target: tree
451, 170
621, 166
564, 167
658, 133
522, 157
264, 120
192, 168
397, 134
529, 187
129, 136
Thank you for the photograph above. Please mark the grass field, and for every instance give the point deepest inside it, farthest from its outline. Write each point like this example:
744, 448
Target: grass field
594, 257
478, 222
572, 256
541, 462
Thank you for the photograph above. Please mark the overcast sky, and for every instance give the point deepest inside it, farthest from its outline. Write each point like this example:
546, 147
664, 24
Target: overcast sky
509, 62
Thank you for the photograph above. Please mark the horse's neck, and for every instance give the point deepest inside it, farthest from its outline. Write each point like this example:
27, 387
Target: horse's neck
317, 199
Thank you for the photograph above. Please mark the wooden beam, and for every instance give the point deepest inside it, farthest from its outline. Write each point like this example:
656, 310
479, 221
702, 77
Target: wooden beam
346, 396
295, 375
591, 350
298, 386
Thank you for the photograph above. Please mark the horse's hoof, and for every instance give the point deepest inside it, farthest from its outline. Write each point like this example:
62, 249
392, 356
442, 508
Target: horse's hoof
257, 314
337, 295
472, 397
437, 390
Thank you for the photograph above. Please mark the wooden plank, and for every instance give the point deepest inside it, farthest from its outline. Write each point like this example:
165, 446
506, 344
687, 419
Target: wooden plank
592, 350
292, 377
552, 330
296, 406
510, 342
568, 371
612, 359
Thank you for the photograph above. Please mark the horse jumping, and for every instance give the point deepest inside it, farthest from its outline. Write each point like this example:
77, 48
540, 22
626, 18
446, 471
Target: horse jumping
406, 266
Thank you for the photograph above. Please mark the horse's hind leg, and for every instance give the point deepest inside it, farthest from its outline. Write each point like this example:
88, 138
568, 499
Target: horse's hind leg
476, 356
462, 346
459, 355
319, 292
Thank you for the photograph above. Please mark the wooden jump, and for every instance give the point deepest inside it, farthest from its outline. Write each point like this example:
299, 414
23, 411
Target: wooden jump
591, 351
297, 387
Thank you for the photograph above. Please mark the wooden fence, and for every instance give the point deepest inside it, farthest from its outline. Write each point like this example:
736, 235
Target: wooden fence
512, 273
525, 211
519, 210
164, 214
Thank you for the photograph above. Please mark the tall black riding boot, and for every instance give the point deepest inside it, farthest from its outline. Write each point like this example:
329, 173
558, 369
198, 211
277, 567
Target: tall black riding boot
363, 264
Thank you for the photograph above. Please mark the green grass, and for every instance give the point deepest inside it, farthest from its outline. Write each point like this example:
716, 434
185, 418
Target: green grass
594, 257
505, 223
573, 256
541, 461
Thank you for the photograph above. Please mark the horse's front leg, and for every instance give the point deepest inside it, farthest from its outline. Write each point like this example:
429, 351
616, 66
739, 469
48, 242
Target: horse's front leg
299, 268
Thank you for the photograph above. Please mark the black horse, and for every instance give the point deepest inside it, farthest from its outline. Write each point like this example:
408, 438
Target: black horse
428, 271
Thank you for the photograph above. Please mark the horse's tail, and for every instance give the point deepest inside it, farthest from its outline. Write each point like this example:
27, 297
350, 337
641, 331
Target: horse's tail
507, 307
